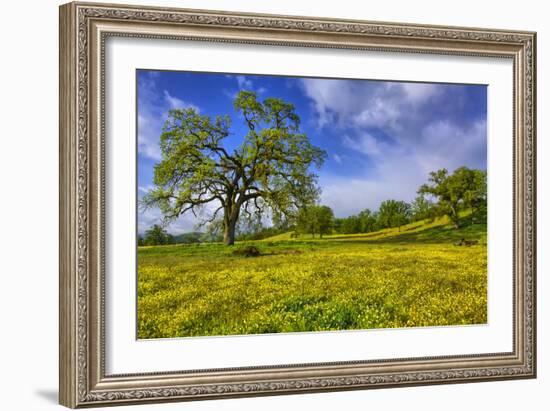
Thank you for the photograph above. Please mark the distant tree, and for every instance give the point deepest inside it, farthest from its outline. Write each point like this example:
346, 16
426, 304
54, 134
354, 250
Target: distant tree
304, 222
157, 235
268, 173
325, 220
475, 198
393, 213
464, 188
261, 232
376, 226
351, 225
315, 219
423, 209
367, 221
193, 237
337, 225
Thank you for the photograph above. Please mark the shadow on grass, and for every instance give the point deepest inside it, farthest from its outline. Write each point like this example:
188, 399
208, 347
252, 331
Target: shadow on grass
439, 234
412, 234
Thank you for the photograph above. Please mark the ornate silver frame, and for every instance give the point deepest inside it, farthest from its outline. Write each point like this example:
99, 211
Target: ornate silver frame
83, 30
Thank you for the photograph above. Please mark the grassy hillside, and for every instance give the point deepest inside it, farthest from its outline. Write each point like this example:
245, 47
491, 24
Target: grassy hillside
414, 276
438, 230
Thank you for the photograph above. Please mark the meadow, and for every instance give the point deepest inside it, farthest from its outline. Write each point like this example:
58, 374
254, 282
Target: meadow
414, 276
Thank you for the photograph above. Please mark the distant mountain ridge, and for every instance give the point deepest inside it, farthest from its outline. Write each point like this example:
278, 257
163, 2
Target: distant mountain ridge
191, 237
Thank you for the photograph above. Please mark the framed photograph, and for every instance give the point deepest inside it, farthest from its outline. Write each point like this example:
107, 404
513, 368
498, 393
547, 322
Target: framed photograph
258, 204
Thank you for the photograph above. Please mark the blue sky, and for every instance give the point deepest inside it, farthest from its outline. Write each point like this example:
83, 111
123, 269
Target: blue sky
382, 138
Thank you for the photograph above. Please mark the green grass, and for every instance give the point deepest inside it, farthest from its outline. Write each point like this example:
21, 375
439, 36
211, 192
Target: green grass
410, 277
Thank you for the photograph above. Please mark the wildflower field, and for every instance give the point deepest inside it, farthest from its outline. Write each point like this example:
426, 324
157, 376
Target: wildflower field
420, 275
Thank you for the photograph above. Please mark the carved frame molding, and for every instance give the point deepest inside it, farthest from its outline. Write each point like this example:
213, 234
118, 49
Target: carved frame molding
84, 27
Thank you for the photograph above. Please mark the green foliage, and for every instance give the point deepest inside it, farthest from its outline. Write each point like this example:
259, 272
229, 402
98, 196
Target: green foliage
269, 173
364, 222
261, 232
464, 188
156, 235
315, 219
423, 209
385, 279
393, 213
350, 225
476, 196
368, 221
193, 238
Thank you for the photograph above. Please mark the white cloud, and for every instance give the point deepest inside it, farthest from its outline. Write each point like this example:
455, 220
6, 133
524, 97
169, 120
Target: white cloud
365, 143
448, 144
176, 103
185, 223
380, 113
396, 171
349, 196
327, 96
147, 135
366, 104
173, 102
244, 83
150, 217
419, 92
144, 189
337, 158
231, 94
153, 107
402, 130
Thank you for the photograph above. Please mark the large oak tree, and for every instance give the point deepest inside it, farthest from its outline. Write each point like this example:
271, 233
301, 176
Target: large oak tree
269, 173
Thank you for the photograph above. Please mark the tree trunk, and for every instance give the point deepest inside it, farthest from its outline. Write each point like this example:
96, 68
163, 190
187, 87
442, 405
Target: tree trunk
229, 235
454, 217
230, 223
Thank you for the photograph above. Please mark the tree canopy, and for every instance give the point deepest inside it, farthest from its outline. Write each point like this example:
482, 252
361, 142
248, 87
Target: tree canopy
465, 187
156, 235
422, 208
269, 173
393, 213
316, 219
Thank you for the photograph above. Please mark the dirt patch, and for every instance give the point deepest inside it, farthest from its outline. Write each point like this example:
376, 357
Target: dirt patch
248, 251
